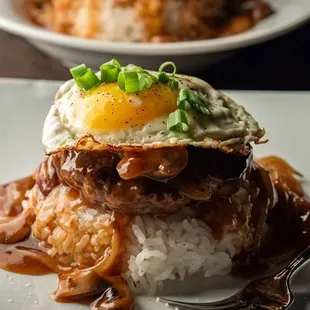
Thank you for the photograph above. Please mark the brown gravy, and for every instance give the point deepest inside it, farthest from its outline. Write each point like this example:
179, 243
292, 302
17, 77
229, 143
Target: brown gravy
26, 256
279, 247
16, 258
16, 252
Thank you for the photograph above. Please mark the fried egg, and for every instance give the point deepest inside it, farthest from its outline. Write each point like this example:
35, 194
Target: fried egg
108, 117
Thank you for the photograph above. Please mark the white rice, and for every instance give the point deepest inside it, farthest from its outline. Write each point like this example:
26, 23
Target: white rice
173, 249
156, 250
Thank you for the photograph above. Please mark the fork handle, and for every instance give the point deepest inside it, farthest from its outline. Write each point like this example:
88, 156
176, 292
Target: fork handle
300, 260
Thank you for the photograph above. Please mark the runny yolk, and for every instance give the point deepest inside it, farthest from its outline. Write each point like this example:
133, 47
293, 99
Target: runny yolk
108, 108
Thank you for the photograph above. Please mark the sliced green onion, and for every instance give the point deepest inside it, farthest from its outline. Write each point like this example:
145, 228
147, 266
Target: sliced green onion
199, 104
174, 84
154, 79
132, 67
88, 80
178, 121
184, 100
166, 64
163, 78
109, 71
198, 99
113, 62
200, 108
145, 81
184, 94
78, 71
184, 105
128, 82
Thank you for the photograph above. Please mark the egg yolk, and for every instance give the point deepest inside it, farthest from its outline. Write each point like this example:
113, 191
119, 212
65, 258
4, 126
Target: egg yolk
109, 108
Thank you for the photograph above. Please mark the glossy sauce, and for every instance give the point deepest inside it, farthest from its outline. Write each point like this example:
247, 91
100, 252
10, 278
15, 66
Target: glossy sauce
159, 164
13, 256
288, 225
153, 181
27, 256
20, 252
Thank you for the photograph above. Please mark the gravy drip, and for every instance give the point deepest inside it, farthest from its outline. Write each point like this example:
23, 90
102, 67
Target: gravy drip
288, 229
22, 253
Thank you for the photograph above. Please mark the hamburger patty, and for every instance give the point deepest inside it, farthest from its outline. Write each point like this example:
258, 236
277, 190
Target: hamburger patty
155, 182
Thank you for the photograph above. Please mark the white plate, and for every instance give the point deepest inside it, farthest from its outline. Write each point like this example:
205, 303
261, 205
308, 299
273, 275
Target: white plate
189, 55
23, 106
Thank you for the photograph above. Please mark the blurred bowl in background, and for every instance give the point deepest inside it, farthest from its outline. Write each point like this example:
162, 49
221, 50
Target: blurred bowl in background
189, 55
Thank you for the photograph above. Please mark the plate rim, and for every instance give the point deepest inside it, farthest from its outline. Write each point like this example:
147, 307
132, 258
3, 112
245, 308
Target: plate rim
19, 26
145, 302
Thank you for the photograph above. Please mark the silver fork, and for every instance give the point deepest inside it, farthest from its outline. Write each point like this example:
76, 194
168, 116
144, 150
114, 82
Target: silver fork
270, 293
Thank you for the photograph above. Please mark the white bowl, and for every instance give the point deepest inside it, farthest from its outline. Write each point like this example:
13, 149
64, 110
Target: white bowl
189, 56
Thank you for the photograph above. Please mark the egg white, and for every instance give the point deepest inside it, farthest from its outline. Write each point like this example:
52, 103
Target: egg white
230, 124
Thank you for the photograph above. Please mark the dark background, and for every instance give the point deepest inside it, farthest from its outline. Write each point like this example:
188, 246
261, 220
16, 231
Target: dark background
281, 64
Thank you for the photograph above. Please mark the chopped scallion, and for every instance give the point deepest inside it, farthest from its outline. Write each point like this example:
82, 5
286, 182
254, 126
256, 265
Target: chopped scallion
199, 104
184, 94
109, 73
174, 84
184, 105
178, 121
128, 82
154, 79
200, 108
88, 80
184, 99
163, 78
166, 64
115, 63
132, 67
78, 71
145, 81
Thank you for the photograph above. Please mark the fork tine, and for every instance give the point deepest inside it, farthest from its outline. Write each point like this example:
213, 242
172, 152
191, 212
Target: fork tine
233, 299
227, 304
248, 307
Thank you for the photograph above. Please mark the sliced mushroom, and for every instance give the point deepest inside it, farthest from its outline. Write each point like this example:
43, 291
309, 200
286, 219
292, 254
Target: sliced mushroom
16, 229
119, 297
80, 284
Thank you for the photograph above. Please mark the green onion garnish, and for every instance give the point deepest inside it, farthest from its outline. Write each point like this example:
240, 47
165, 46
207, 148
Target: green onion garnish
184, 94
128, 82
199, 104
132, 67
114, 62
145, 81
166, 64
201, 109
174, 84
112, 71
154, 79
184, 100
163, 78
109, 71
184, 105
178, 121
88, 80
78, 71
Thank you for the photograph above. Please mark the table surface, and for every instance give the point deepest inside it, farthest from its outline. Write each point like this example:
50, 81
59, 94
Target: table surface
281, 64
